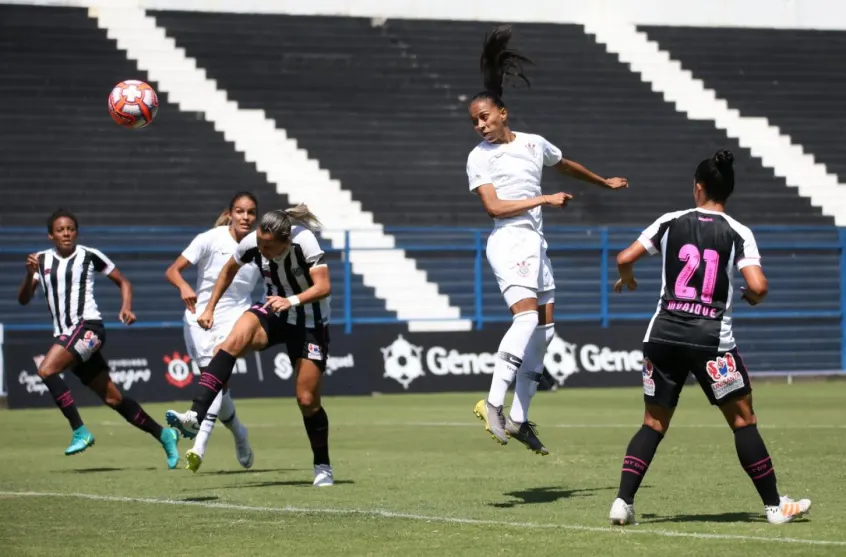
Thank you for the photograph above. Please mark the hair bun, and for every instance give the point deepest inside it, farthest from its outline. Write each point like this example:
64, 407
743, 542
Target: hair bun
724, 159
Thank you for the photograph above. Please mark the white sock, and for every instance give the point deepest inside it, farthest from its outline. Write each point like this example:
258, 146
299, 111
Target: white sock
509, 358
530, 372
207, 426
227, 414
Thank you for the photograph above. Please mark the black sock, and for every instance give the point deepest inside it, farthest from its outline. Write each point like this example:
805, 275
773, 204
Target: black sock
64, 400
756, 461
215, 376
639, 454
317, 429
134, 414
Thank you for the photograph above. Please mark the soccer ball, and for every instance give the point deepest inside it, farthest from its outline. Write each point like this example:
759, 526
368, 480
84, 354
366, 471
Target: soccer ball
133, 104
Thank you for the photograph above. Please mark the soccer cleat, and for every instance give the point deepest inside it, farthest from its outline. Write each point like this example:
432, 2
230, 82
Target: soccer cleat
323, 476
243, 450
81, 440
622, 513
186, 423
494, 420
193, 460
788, 510
169, 439
527, 434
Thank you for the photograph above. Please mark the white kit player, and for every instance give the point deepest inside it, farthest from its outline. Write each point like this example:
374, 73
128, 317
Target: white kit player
210, 251
505, 171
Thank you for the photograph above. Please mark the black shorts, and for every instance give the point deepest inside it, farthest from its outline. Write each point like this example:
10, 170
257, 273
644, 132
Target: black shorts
85, 343
722, 375
312, 344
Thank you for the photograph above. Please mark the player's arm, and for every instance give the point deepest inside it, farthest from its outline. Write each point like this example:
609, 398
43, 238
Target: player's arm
500, 208
222, 284
174, 276
317, 269
30, 282
748, 262
126, 316
625, 265
579, 172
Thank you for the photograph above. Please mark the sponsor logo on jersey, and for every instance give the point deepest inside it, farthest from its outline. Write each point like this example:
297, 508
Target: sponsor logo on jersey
532, 149
523, 268
314, 352
723, 371
405, 362
87, 345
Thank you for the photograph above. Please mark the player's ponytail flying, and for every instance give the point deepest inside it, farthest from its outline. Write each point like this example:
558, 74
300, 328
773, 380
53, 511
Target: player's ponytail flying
497, 63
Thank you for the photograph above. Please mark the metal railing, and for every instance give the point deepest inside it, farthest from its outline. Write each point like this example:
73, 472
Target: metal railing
604, 241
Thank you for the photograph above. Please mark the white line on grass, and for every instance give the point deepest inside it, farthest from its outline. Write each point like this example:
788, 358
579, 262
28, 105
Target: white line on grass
425, 518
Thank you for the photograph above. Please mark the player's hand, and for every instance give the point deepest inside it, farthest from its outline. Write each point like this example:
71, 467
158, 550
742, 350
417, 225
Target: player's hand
206, 320
558, 199
126, 316
631, 285
616, 183
189, 297
32, 263
751, 298
277, 304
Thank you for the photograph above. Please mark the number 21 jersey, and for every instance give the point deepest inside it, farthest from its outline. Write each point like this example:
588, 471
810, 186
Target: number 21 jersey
699, 249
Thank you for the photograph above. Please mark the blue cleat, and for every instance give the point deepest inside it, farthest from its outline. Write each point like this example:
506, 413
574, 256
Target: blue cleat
172, 418
169, 440
82, 439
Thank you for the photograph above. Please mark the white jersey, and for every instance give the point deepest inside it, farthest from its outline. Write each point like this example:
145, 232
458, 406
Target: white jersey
288, 274
515, 169
68, 285
210, 251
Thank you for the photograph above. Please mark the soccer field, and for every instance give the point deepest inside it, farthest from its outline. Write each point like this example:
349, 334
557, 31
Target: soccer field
417, 475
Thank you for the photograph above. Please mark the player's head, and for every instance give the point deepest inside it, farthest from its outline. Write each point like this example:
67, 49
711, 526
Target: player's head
714, 178
274, 230
487, 110
241, 214
63, 228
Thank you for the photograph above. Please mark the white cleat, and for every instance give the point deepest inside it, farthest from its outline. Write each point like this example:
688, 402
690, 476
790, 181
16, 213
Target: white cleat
323, 476
185, 422
622, 513
243, 450
788, 510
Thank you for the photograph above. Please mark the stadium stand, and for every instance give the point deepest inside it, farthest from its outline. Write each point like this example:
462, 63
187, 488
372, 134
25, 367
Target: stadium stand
383, 106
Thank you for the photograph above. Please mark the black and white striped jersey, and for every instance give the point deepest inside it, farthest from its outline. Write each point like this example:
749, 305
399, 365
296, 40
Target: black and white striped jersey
699, 249
288, 275
68, 285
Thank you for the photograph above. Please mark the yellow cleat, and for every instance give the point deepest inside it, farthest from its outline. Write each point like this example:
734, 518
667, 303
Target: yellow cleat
194, 460
494, 420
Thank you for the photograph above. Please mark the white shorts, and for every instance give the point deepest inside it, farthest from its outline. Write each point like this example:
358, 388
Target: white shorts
518, 257
200, 343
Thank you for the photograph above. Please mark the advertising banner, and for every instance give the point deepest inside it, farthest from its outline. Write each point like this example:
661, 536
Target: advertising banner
151, 364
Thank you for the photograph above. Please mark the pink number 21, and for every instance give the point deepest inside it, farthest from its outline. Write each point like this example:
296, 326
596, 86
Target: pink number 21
690, 254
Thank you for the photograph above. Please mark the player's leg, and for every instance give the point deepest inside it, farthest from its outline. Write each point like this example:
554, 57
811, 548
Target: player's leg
514, 254
95, 375
665, 368
517, 425
311, 347
58, 359
197, 345
725, 381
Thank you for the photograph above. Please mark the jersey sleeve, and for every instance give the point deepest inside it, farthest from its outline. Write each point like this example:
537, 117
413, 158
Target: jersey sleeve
746, 249
312, 252
551, 153
478, 173
247, 250
651, 237
197, 249
102, 264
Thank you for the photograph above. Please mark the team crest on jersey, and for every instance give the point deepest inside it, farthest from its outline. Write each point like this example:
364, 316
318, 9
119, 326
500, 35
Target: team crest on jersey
87, 345
523, 269
723, 371
314, 352
648, 382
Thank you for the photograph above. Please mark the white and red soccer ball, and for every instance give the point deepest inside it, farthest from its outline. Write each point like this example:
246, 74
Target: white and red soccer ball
133, 104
